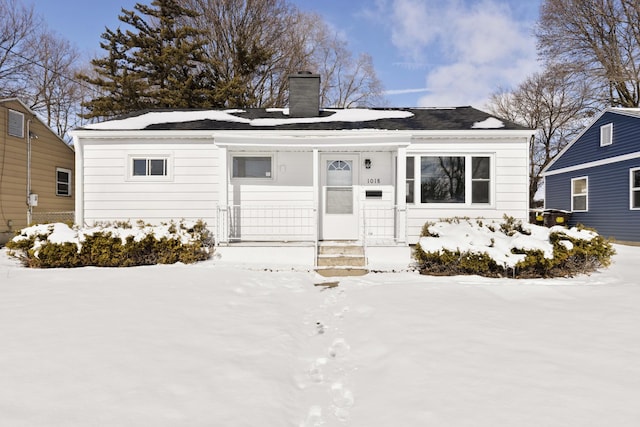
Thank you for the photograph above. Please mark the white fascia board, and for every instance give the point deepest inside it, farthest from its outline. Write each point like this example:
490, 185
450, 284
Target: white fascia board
596, 163
473, 134
310, 140
574, 140
142, 134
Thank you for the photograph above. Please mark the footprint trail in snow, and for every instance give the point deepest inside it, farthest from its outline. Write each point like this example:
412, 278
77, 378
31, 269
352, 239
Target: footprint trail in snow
326, 383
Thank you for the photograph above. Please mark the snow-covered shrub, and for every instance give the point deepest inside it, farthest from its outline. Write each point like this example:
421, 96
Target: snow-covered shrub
117, 245
509, 249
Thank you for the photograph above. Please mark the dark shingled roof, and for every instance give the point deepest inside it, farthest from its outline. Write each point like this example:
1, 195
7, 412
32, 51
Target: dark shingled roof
458, 118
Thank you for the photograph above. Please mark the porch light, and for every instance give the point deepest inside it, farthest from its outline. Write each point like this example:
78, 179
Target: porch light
367, 163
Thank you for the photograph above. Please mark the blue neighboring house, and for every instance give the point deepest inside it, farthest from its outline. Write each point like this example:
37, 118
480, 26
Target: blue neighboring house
597, 176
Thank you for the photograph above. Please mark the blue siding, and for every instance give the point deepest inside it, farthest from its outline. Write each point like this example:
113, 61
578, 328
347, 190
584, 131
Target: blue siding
626, 139
608, 197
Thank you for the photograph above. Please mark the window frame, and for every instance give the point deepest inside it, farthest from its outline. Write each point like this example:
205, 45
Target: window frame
475, 180
16, 113
633, 189
69, 183
168, 176
410, 181
586, 194
272, 162
606, 135
468, 187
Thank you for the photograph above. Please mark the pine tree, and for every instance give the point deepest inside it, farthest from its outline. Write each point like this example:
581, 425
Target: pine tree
157, 64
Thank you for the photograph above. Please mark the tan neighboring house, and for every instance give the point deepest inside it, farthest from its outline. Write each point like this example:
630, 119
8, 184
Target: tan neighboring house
36, 171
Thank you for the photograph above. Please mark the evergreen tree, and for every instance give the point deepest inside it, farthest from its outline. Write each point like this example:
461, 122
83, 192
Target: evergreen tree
157, 64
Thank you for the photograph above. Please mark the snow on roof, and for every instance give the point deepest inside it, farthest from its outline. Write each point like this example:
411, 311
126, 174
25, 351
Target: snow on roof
490, 123
152, 118
339, 115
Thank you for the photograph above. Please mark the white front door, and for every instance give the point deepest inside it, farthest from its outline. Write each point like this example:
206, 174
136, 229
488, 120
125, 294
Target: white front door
339, 172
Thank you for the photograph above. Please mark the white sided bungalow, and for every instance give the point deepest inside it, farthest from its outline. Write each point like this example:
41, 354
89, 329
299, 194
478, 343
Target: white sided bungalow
304, 175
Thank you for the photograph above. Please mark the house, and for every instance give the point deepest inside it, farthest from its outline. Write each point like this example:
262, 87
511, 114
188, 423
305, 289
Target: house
36, 171
597, 176
303, 174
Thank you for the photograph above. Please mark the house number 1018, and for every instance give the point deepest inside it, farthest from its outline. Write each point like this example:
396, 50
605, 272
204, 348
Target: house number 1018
373, 180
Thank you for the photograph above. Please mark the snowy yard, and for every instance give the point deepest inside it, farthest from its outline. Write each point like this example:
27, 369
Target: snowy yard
213, 344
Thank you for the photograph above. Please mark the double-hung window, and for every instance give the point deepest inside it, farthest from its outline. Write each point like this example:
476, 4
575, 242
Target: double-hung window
461, 179
634, 186
410, 179
63, 182
580, 194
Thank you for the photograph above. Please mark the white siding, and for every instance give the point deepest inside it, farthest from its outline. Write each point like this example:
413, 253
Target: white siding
510, 182
190, 192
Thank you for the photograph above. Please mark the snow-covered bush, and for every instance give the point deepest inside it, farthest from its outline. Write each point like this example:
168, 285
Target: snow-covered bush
112, 245
509, 249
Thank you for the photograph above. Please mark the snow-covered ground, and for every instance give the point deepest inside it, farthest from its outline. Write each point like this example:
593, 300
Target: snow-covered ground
216, 344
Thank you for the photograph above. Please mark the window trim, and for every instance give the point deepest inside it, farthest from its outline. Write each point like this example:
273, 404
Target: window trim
410, 181
586, 195
270, 156
69, 183
468, 186
21, 115
633, 189
606, 135
472, 179
168, 158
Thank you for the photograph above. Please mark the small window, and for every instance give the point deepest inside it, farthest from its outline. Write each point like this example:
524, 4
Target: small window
251, 167
579, 194
150, 167
411, 179
63, 182
480, 179
16, 124
606, 135
635, 188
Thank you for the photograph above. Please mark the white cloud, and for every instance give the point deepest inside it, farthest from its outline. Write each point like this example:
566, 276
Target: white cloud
473, 47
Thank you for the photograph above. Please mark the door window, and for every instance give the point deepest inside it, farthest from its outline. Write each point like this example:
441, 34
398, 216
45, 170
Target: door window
339, 187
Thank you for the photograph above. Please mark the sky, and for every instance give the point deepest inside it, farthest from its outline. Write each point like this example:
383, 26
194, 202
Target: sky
427, 53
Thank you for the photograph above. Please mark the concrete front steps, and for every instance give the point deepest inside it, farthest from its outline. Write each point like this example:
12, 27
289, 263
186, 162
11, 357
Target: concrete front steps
341, 259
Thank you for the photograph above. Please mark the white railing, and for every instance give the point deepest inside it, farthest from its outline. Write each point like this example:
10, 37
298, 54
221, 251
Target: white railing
269, 223
298, 224
379, 224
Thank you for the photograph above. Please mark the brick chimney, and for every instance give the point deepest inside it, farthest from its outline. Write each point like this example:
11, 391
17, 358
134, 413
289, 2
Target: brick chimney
304, 94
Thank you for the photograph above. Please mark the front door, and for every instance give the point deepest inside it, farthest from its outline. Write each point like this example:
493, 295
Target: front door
339, 199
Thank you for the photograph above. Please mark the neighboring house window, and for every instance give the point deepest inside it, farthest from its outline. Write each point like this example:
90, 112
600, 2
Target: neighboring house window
606, 135
411, 178
149, 167
579, 194
16, 124
252, 167
455, 179
63, 182
635, 188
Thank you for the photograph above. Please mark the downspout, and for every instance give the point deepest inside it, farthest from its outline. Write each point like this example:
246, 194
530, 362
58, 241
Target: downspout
316, 201
79, 190
29, 207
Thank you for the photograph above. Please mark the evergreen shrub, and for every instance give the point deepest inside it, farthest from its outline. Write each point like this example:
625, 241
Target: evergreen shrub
578, 251
113, 245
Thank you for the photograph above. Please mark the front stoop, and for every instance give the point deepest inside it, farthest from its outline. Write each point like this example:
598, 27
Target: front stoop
341, 259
